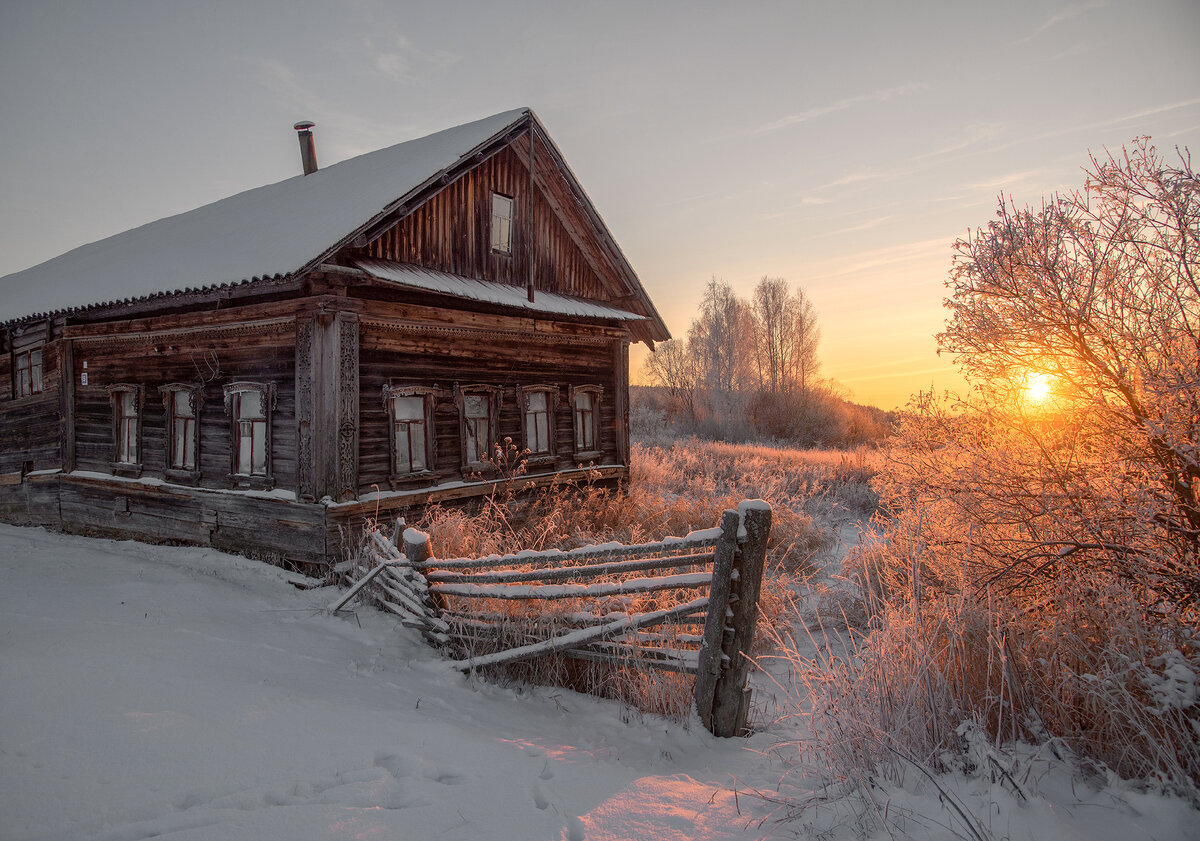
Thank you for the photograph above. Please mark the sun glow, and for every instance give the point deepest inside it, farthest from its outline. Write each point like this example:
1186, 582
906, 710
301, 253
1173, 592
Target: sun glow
1038, 388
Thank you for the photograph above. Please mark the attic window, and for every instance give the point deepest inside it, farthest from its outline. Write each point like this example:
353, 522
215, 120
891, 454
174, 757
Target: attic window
502, 219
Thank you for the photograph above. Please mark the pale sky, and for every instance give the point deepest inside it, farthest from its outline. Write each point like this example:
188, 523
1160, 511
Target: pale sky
842, 146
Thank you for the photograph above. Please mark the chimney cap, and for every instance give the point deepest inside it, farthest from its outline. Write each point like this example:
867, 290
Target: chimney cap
303, 125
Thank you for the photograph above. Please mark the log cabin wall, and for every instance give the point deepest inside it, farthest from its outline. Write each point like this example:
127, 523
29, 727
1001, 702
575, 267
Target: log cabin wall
451, 232
403, 354
29, 424
261, 352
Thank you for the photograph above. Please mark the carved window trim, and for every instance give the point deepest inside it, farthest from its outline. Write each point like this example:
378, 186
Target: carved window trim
238, 429
126, 401
529, 421
500, 231
28, 371
585, 421
183, 458
428, 396
493, 395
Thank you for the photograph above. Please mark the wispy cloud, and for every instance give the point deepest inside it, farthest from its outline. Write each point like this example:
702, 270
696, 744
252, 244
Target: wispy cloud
892, 255
1149, 112
392, 55
1062, 16
841, 105
1008, 180
850, 229
969, 136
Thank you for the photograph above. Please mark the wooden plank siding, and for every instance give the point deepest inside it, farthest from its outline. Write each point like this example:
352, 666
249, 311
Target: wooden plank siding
451, 232
328, 339
29, 426
246, 353
400, 355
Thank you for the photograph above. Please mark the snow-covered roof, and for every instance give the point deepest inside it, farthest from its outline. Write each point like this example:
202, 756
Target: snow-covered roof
266, 232
550, 303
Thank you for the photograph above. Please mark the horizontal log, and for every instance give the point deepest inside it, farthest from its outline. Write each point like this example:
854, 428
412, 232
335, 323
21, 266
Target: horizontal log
613, 659
686, 581
575, 639
702, 539
586, 570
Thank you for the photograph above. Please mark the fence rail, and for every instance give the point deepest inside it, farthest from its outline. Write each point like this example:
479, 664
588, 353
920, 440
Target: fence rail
621, 614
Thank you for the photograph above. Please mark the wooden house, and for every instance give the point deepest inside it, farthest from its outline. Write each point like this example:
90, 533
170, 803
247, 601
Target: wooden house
266, 371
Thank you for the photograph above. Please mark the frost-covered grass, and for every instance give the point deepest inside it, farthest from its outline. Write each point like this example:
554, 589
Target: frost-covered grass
672, 491
186, 694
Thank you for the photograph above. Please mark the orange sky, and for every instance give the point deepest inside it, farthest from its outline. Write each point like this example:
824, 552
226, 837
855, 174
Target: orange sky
841, 146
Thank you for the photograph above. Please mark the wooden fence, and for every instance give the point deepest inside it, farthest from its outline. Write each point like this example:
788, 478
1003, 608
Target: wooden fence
686, 604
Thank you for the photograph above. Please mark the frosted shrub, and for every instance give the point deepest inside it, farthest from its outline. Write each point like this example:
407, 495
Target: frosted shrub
1039, 572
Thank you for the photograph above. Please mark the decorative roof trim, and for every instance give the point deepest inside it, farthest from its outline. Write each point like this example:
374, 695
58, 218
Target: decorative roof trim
482, 333
269, 325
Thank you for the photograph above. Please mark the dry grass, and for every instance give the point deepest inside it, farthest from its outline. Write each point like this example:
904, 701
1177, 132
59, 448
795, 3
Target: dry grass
671, 491
937, 679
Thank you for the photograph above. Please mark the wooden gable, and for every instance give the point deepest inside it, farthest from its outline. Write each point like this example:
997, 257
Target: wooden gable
559, 243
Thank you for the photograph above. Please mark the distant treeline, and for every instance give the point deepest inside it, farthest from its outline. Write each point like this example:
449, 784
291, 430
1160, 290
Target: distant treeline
748, 370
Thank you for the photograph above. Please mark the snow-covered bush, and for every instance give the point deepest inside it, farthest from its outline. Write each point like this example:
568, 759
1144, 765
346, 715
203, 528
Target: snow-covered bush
1040, 572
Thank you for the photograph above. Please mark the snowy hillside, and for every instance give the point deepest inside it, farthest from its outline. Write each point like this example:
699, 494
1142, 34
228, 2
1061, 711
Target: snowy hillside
186, 694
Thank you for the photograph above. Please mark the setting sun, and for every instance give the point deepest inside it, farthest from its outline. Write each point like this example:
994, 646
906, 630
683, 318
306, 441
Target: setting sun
1038, 388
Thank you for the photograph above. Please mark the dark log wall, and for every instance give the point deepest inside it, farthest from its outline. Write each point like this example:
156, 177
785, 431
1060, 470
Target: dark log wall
262, 354
401, 355
29, 426
451, 232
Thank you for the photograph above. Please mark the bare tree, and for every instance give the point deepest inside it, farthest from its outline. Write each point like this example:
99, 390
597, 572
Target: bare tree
1097, 292
1062, 521
675, 368
720, 339
785, 337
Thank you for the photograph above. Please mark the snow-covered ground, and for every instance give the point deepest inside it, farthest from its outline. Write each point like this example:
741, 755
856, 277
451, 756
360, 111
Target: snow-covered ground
183, 693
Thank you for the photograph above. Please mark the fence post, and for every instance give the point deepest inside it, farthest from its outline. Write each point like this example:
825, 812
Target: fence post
731, 697
416, 546
714, 626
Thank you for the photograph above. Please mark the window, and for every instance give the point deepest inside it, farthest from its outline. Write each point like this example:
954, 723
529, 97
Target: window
127, 426
585, 405
478, 406
537, 419
27, 372
502, 219
410, 409
249, 406
182, 403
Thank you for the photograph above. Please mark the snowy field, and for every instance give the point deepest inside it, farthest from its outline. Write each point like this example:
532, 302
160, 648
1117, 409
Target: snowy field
186, 694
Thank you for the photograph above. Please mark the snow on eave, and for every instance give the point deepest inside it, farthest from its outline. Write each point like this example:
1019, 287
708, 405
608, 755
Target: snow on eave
501, 294
273, 231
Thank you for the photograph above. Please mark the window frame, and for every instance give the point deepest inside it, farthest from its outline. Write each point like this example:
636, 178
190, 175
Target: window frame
267, 399
501, 227
551, 393
31, 384
582, 451
126, 428
493, 394
428, 396
195, 398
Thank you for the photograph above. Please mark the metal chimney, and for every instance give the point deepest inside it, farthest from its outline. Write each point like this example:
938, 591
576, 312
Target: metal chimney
308, 149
